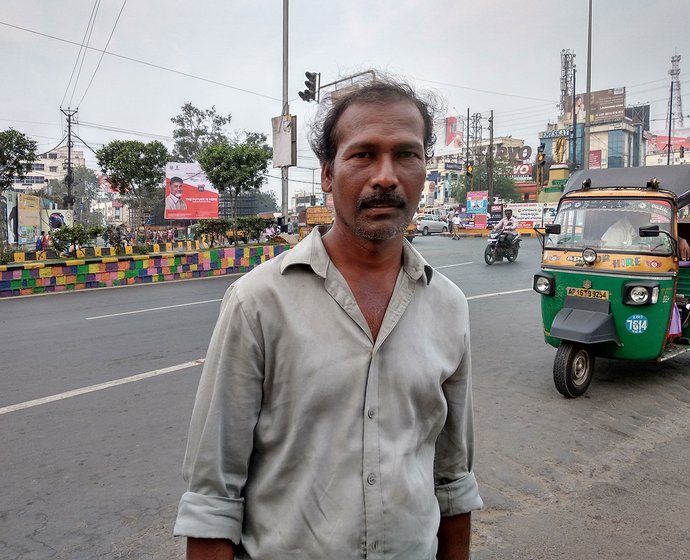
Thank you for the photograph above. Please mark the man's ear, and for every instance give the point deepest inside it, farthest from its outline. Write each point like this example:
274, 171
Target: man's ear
326, 178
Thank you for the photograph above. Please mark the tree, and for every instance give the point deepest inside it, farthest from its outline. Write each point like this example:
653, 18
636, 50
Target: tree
86, 190
135, 170
236, 168
196, 130
504, 185
17, 154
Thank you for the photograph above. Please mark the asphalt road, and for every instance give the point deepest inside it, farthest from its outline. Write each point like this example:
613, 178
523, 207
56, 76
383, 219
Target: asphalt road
95, 473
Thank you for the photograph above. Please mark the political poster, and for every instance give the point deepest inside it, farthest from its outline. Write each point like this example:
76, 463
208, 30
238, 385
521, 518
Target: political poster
189, 195
56, 218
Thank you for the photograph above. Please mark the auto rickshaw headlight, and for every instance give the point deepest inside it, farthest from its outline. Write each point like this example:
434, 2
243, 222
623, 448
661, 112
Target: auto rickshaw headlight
646, 293
543, 285
589, 256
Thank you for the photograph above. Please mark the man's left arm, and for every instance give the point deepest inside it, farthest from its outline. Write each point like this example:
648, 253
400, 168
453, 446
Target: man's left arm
454, 537
456, 486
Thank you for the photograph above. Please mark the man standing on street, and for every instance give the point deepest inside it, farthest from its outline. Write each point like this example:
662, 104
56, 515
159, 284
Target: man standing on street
333, 418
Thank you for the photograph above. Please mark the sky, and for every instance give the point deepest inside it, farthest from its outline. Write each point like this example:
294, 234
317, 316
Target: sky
500, 55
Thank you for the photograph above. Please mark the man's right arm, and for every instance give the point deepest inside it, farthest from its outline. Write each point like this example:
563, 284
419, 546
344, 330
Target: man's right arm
210, 549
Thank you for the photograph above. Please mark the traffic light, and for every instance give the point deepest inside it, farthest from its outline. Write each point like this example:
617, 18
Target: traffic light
469, 168
309, 94
682, 151
541, 159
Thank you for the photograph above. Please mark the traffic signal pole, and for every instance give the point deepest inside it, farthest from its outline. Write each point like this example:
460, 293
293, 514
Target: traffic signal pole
286, 111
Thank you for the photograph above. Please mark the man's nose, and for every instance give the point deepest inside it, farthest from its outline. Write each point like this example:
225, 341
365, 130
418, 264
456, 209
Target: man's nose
385, 172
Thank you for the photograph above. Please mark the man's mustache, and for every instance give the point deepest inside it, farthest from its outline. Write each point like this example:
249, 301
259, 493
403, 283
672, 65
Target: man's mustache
382, 199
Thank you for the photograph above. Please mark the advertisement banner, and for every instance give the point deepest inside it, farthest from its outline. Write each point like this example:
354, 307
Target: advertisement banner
449, 136
494, 215
533, 214
284, 140
189, 195
12, 216
523, 172
477, 202
604, 105
29, 218
595, 159
54, 219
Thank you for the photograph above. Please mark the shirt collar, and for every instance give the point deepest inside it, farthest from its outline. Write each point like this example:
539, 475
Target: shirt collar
311, 252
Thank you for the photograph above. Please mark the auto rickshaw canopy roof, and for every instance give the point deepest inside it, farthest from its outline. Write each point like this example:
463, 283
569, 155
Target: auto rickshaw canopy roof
674, 178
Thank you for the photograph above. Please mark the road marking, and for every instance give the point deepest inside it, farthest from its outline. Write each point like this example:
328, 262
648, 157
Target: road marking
499, 294
451, 265
99, 387
153, 309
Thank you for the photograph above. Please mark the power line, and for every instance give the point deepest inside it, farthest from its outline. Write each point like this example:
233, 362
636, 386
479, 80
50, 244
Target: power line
102, 54
150, 64
83, 58
81, 46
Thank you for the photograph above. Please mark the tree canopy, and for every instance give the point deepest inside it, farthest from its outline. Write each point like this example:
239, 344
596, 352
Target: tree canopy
134, 169
197, 129
17, 154
236, 168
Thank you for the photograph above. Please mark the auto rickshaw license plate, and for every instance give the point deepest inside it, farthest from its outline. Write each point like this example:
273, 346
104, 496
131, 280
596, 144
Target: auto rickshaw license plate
585, 292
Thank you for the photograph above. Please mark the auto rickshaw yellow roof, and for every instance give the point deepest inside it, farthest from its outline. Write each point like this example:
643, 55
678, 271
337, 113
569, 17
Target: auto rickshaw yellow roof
673, 178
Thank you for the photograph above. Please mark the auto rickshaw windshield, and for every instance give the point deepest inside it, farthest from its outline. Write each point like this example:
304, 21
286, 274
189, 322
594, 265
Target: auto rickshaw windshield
612, 225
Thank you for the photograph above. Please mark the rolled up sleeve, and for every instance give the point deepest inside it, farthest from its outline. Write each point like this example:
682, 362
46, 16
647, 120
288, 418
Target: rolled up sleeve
455, 484
220, 440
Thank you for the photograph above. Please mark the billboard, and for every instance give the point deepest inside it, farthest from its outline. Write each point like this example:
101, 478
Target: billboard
477, 202
54, 219
189, 195
9, 204
523, 172
604, 105
449, 136
29, 218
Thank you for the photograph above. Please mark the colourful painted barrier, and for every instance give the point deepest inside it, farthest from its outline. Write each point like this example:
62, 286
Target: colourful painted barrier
28, 278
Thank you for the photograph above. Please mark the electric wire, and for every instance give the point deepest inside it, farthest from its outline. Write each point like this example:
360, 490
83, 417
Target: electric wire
102, 54
86, 46
144, 63
81, 46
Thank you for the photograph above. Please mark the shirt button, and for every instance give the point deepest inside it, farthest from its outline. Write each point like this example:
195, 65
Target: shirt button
371, 413
371, 479
374, 546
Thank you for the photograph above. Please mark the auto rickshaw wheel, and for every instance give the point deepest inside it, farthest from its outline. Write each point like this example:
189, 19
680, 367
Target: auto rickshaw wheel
489, 257
572, 369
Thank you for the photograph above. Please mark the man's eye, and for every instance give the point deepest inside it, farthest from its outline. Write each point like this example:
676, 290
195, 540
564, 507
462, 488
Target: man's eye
407, 155
361, 155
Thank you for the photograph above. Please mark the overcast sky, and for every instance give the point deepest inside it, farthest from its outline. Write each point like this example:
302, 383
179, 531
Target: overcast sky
482, 55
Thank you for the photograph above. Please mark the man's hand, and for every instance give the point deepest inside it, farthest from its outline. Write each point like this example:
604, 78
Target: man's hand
454, 537
210, 549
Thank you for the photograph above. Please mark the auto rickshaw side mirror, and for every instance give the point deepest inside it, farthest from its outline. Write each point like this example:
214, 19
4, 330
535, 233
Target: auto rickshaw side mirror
649, 231
553, 229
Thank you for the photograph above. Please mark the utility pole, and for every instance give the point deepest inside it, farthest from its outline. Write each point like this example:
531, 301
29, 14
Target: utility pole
68, 201
490, 158
286, 110
574, 142
670, 127
468, 185
588, 116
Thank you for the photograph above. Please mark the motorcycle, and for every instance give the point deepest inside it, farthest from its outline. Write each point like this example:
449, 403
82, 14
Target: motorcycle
499, 246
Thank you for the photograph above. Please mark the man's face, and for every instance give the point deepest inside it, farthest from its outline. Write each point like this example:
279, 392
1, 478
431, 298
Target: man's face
176, 189
378, 172
509, 215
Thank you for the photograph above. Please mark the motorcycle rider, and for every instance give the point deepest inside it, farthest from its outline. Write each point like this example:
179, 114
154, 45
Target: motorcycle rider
508, 225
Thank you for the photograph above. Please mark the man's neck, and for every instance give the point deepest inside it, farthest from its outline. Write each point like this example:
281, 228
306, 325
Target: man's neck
351, 253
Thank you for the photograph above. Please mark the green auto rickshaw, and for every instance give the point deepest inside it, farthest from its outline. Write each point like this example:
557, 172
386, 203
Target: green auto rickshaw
612, 282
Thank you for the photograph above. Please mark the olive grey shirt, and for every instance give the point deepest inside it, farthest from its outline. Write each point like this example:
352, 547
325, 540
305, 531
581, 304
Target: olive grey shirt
309, 439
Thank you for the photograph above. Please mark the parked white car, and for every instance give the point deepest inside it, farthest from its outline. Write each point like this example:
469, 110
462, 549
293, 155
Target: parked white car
428, 224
